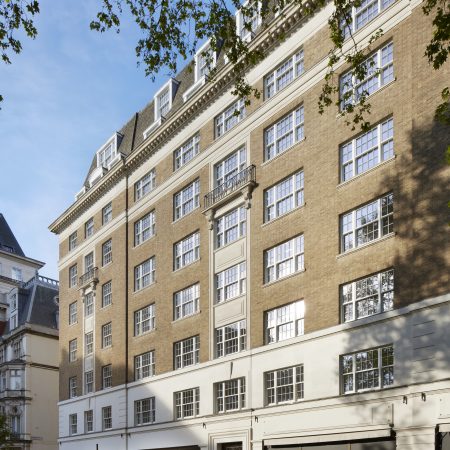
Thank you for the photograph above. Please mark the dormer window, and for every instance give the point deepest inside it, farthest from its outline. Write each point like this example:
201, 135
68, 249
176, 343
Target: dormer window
205, 60
105, 156
247, 26
163, 104
164, 97
108, 154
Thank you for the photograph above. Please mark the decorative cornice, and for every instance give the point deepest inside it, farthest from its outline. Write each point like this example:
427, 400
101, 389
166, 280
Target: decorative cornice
265, 41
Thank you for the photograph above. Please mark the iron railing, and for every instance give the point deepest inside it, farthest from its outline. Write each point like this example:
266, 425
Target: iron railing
88, 276
231, 185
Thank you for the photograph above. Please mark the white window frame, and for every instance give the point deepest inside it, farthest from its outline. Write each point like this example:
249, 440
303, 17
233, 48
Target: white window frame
278, 133
88, 343
16, 274
171, 87
89, 382
73, 347
144, 274
255, 21
284, 322
284, 386
17, 348
374, 292
15, 379
89, 262
144, 320
231, 338
231, 282
382, 72
377, 143
107, 252
284, 74
144, 365
231, 226
364, 10
186, 302
381, 212
107, 294
274, 261
220, 395
89, 304
144, 228
186, 251
363, 364
89, 228
105, 155
73, 241
186, 152
276, 197
145, 185
227, 169
89, 421
73, 313
107, 335
186, 200
106, 418
186, 352
187, 403
144, 411
73, 424
73, 276
73, 387
107, 376
226, 120
107, 213
200, 56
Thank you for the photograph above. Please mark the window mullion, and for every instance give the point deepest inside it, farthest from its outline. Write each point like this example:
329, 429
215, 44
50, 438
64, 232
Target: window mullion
354, 229
380, 296
379, 217
380, 364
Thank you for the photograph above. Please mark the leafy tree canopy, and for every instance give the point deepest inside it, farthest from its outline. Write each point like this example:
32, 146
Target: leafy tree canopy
173, 28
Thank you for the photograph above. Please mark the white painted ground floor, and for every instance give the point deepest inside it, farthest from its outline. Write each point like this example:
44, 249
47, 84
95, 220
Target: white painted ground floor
379, 383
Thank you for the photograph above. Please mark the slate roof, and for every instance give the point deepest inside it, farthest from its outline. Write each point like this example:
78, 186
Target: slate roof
8, 241
36, 303
133, 130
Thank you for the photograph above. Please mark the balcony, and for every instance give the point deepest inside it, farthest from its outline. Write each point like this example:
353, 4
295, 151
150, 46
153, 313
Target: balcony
243, 182
90, 276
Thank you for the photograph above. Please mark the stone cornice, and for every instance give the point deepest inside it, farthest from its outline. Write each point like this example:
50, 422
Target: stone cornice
264, 41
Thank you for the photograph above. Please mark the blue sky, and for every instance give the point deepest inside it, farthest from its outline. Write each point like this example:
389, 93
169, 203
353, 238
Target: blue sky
65, 95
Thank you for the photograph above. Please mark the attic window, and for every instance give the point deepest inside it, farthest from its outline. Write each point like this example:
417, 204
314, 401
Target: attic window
163, 104
247, 26
107, 156
205, 60
163, 99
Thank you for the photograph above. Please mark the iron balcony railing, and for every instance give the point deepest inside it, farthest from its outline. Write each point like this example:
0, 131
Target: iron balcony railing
87, 277
233, 184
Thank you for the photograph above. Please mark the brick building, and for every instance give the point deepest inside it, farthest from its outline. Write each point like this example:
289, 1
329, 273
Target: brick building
270, 279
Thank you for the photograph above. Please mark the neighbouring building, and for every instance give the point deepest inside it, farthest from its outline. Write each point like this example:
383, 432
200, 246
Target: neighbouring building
270, 279
28, 348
